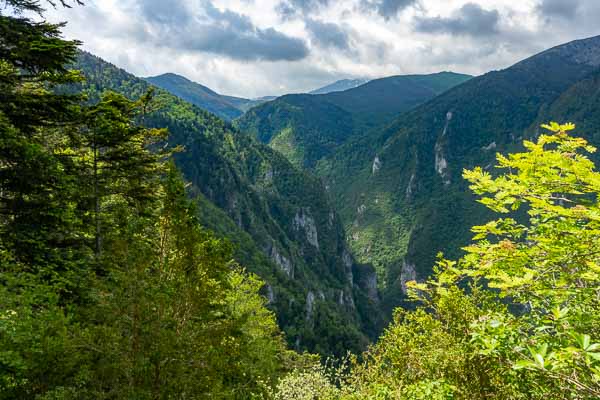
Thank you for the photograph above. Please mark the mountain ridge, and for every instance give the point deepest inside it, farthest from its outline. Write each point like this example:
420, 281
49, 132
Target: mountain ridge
307, 127
285, 229
400, 191
226, 107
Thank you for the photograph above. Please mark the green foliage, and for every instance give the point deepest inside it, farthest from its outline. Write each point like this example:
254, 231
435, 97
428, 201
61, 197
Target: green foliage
252, 195
551, 264
109, 287
517, 316
225, 107
406, 212
34, 187
310, 384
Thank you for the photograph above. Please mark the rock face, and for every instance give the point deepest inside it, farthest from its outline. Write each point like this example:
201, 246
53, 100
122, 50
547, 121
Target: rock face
283, 263
376, 165
366, 280
361, 209
279, 218
303, 220
270, 294
345, 299
490, 146
348, 263
441, 164
407, 274
371, 287
310, 302
410, 187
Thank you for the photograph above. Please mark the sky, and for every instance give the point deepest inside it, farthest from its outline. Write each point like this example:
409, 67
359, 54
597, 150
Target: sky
253, 48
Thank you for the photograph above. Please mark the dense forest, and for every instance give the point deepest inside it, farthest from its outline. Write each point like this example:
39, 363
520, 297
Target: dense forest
122, 276
279, 218
307, 128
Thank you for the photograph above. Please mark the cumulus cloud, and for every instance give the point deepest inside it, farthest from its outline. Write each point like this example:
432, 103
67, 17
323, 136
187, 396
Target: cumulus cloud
296, 8
252, 48
388, 8
559, 8
471, 19
226, 32
164, 12
328, 34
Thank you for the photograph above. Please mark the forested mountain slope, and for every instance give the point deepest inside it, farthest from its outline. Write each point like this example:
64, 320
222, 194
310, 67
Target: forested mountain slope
400, 192
306, 128
226, 107
280, 218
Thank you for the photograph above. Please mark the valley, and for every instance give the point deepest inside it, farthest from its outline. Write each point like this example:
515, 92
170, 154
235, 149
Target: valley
385, 156
404, 231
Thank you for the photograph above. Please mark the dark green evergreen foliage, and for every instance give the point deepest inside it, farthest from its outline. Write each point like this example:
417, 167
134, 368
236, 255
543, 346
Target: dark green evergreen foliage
109, 287
408, 198
34, 197
252, 194
307, 128
171, 317
117, 161
19, 6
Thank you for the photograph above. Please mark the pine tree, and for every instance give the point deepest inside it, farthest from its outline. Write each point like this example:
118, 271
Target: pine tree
120, 160
36, 172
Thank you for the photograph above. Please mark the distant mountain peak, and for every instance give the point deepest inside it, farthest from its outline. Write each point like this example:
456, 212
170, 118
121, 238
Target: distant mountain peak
223, 106
171, 75
308, 127
340, 85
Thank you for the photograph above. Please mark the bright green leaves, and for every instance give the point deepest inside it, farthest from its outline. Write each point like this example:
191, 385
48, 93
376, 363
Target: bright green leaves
557, 128
549, 176
550, 263
558, 185
540, 359
533, 276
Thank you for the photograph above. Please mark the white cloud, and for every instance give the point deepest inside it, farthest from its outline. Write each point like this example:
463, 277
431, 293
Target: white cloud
250, 48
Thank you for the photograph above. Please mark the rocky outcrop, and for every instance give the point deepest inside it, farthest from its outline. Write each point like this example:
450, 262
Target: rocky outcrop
407, 274
441, 164
283, 262
366, 280
348, 264
310, 302
234, 209
376, 165
361, 209
410, 187
269, 294
490, 146
303, 220
345, 299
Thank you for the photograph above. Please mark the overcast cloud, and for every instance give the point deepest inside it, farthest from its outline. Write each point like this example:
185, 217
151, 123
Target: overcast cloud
253, 48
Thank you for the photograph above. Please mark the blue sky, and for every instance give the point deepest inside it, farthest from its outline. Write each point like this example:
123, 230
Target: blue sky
254, 48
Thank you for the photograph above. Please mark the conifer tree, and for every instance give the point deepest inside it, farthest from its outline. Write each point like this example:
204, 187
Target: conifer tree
36, 172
